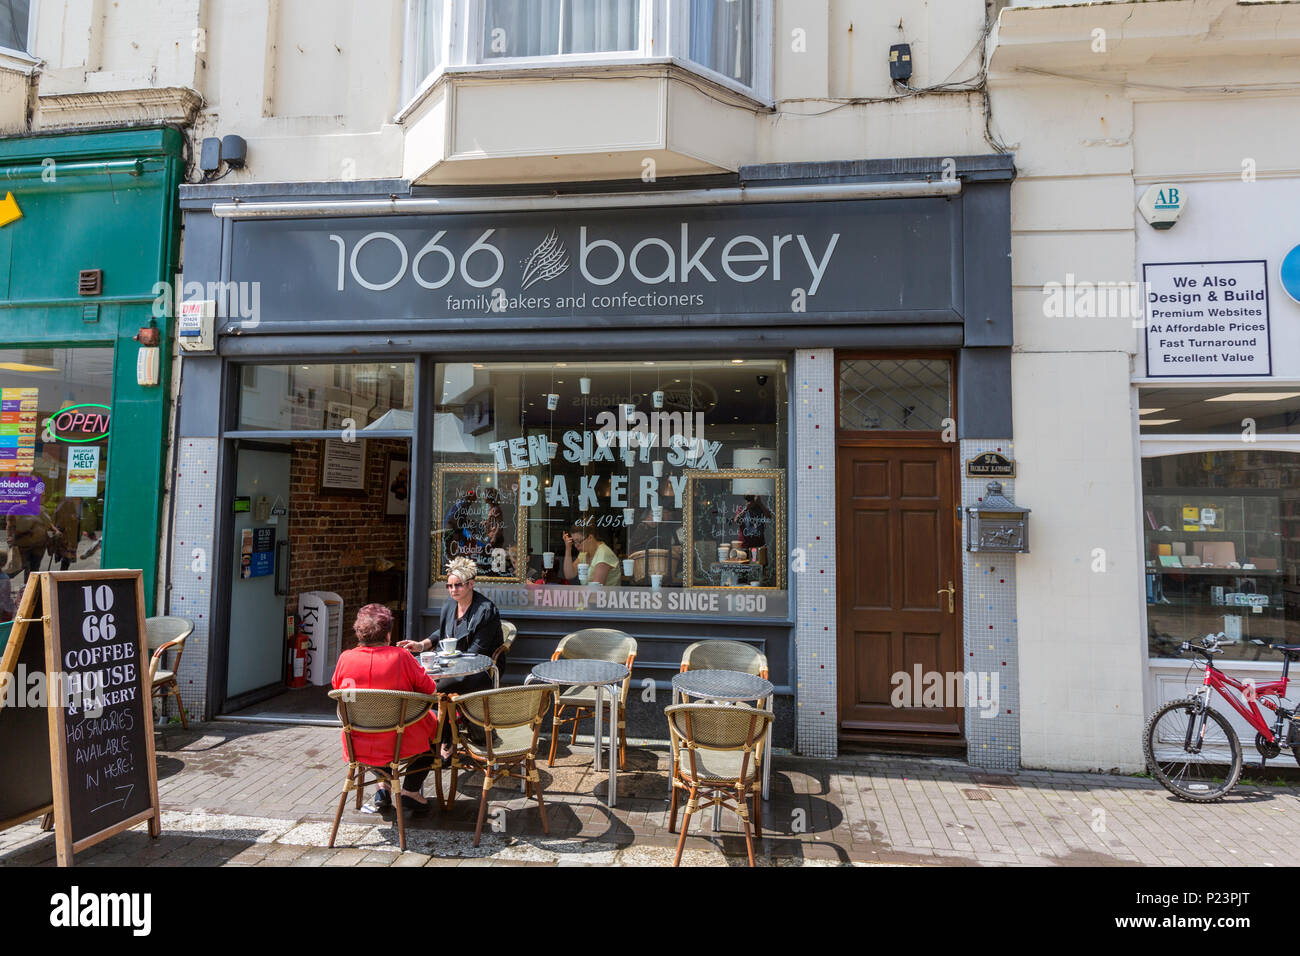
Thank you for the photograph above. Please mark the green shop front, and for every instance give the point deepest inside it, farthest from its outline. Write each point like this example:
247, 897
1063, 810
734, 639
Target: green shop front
88, 247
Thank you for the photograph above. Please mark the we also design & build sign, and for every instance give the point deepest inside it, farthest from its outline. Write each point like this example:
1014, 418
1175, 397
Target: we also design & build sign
1207, 319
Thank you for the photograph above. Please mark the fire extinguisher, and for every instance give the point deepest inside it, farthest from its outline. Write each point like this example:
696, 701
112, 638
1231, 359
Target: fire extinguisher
298, 647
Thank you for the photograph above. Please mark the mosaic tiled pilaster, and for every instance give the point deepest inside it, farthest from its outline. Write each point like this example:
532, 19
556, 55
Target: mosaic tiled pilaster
990, 649
195, 488
812, 495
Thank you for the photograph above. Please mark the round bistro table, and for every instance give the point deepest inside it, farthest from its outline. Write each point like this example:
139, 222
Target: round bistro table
462, 665
731, 687
602, 675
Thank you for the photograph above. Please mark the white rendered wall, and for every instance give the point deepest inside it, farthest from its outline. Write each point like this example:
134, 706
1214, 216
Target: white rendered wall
314, 86
1081, 673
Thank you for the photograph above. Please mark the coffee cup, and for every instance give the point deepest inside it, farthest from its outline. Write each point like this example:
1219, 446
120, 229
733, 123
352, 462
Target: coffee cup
656, 513
656, 580
657, 399
628, 567
724, 552
657, 466
428, 659
628, 411
584, 385
584, 570
548, 559
552, 401
447, 645
629, 515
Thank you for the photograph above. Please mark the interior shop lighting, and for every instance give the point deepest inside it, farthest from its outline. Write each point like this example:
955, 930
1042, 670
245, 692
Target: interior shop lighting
1149, 411
1253, 397
1160, 421
21, 367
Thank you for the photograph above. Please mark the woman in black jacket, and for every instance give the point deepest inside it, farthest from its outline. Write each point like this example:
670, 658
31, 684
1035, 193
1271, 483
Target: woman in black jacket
473, 621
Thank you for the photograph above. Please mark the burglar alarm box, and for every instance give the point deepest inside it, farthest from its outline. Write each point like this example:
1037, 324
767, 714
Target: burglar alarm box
194, 325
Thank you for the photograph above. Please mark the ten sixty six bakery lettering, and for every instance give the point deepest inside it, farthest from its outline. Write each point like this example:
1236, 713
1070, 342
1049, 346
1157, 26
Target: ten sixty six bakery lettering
775, 260
1207, 319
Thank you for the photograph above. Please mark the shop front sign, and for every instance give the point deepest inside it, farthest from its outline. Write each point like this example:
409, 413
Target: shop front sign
774, 259
1207, 319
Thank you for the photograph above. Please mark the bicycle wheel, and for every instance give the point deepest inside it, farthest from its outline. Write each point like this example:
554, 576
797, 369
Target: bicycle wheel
1198, 778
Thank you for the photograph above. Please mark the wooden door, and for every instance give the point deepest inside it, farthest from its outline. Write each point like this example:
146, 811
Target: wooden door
897, 543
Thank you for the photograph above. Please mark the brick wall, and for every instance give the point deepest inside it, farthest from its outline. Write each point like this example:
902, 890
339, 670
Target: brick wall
335, 539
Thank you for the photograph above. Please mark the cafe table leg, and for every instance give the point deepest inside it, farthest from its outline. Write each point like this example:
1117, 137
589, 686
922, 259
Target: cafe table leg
767, 755
613, 745
600, 703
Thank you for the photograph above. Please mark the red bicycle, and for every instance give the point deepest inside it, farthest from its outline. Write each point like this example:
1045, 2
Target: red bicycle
1188, 744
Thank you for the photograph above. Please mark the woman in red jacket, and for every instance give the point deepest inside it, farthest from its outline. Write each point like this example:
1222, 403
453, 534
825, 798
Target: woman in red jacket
375, 664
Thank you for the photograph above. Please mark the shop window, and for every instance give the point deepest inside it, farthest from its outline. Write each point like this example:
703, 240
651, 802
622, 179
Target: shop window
15, 25
326, 397
894, 394
55, 422
1222, 550
644, 488
1219, 410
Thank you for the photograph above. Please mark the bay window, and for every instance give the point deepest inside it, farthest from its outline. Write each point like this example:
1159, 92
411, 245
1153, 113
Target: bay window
727, 41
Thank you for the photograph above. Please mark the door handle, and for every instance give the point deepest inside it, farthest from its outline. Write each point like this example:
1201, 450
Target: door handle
950, 591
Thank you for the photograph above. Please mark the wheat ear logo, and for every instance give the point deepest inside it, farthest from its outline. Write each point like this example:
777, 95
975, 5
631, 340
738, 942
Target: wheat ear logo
547, 261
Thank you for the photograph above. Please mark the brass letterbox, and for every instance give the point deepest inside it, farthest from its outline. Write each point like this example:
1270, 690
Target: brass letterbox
997, 523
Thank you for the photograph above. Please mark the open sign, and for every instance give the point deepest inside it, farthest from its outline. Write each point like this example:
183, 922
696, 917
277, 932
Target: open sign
78, 424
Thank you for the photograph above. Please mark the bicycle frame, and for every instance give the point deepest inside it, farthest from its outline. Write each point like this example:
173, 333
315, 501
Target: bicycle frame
1218, 680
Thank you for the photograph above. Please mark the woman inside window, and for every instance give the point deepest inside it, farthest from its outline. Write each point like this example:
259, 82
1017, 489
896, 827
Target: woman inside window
583, 545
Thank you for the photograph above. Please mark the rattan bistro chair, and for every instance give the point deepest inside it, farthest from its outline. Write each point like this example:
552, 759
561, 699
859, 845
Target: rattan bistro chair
716, 752
511, 718
372, 711
508, 634
724, 656
599, 644
163, 634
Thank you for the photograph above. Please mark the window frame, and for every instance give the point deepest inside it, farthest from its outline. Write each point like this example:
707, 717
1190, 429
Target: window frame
27, 55
664, 39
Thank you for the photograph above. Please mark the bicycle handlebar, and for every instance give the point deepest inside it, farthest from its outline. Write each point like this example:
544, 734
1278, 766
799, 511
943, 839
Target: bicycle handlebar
1213, 644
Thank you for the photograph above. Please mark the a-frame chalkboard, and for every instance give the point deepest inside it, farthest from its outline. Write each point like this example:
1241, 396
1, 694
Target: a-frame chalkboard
98, 728
24, 727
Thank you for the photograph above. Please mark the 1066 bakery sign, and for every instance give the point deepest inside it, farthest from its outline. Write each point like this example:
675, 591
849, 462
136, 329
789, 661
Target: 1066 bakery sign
1207, 319
770, 260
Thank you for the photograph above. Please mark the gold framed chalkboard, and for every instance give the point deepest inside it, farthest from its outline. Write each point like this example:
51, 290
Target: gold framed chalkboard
746, 504
480, 517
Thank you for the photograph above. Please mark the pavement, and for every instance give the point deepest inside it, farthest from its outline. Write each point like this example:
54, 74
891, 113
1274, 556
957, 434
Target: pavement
264, 795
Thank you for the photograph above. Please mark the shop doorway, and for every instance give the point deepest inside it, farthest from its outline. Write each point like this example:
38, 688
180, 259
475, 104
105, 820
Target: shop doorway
899, 590
318, 529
